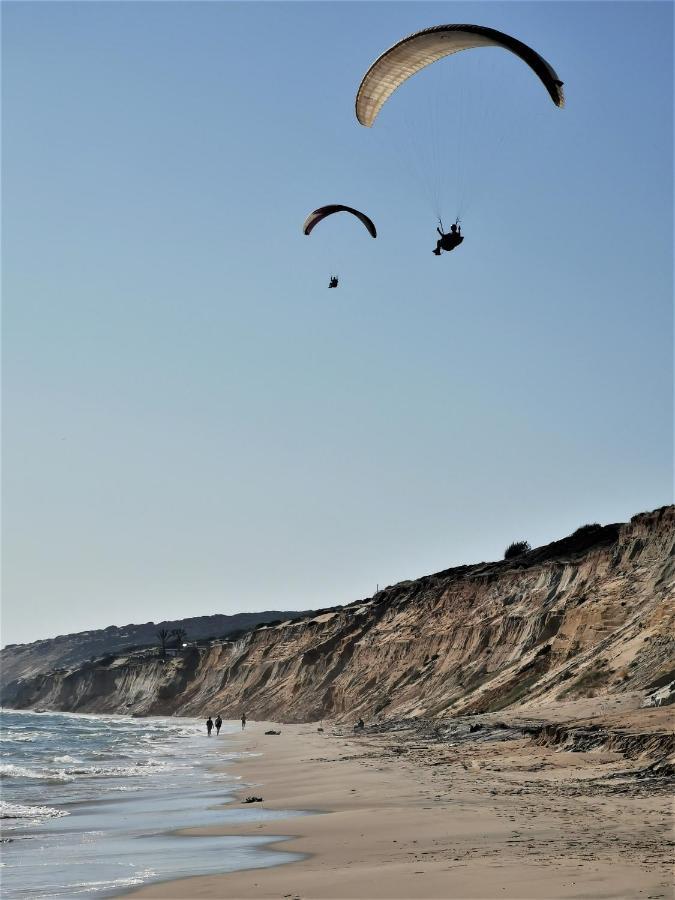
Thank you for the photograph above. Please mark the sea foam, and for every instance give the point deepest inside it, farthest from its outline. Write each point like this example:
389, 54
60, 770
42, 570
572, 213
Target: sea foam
21, 811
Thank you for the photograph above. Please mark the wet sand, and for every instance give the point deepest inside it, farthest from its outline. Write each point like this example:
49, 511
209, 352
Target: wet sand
399, 815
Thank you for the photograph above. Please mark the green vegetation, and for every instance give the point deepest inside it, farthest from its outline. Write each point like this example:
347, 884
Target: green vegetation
517, 548
179, 635
163, 635
586, 529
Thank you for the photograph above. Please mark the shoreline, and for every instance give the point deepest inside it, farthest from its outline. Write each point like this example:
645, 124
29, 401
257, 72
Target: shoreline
397, 815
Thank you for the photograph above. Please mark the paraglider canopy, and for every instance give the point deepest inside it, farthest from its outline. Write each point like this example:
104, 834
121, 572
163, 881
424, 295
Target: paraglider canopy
319, 214
422, 48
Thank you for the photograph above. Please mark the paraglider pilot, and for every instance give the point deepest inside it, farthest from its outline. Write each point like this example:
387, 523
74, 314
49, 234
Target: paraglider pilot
333, 281
449, 241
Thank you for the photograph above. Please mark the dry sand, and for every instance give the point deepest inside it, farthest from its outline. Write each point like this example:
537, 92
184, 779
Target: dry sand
403, 816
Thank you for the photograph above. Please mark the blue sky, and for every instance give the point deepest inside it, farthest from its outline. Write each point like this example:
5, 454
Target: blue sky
194, 424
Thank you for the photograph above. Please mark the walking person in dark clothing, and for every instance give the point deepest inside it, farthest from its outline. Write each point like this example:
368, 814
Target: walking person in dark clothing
209, 726
218, 723
243, 721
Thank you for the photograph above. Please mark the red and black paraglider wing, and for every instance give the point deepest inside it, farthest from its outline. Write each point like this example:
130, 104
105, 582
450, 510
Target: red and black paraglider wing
324, 211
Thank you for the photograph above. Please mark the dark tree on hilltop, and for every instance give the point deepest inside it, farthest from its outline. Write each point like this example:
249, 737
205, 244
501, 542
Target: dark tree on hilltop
179, 634
163, 636
517, 548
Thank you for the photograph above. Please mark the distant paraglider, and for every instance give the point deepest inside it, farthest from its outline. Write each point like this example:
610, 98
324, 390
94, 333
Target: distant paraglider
323, 212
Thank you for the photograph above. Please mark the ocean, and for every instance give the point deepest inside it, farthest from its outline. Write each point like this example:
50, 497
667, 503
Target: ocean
90, 804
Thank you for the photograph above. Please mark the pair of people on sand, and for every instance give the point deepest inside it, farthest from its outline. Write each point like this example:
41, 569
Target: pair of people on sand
218, 723
210, 723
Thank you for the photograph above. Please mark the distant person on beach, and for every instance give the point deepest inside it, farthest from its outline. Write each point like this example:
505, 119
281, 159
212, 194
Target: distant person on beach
219, 722
209, 726
243, 721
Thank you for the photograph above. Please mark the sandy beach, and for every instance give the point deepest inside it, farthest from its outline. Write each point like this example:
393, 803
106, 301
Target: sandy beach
402, 814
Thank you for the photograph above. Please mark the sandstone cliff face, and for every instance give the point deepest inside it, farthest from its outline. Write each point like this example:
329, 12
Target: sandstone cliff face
592, 614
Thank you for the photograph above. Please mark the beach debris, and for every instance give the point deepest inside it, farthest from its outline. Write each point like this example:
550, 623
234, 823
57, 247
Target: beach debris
319, 729
252, 800
272, 732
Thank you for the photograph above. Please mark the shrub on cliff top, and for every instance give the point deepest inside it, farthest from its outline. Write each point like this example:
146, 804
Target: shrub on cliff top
586, 529
517, 548
236, 634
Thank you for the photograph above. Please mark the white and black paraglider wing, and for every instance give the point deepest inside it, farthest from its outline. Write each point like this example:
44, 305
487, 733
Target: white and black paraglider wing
423, 48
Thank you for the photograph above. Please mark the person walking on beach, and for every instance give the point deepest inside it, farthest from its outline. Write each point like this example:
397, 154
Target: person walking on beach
219, 722
243, 721
209, 726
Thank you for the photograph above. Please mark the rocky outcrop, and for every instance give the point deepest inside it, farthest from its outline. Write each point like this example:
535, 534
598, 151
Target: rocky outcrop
583, 740
588, 615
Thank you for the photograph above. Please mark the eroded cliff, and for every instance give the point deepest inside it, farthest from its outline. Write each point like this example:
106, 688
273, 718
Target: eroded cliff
71, 650
591, 614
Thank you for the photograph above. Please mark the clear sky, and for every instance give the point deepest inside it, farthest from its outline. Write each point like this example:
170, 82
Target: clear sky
194, 424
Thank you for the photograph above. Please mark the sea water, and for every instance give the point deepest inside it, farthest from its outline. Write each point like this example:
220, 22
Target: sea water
90, 804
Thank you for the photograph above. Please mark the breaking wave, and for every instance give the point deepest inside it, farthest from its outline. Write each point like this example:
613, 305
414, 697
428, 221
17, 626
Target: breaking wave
34, 813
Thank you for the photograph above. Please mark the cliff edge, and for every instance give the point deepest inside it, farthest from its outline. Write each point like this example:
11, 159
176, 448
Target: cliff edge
590, 615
